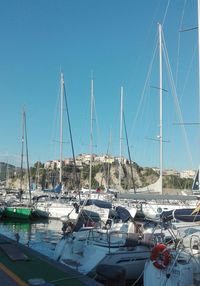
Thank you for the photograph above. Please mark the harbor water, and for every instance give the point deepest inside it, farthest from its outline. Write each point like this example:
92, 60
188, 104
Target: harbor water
41, 236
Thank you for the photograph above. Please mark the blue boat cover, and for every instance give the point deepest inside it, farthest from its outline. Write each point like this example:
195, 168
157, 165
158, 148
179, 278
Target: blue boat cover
57, 189
184, 214
98, 203
123, 213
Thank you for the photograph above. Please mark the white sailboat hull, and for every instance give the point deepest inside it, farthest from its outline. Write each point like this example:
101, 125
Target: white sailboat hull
180, 275
131, 259
57, 210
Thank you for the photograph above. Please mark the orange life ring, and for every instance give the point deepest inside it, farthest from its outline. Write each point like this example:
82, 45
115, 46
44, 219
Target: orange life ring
160, 256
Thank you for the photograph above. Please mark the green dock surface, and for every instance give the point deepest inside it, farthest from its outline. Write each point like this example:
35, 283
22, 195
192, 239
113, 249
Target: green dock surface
20, 265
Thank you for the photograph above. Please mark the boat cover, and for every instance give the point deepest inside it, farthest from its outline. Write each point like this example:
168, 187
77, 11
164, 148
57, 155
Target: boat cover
98, 203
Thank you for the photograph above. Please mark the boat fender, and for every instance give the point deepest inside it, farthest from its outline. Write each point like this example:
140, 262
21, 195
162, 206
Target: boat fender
160, 256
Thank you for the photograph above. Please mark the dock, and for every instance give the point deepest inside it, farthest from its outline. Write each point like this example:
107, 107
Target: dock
23, 266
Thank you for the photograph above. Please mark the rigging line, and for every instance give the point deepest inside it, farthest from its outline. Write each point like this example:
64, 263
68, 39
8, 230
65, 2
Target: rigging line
146, 41
166, 10
109, 143
192, 59
58, 141
148, 74
157, 140
188, 29
97, 122
179, 40
55, 122
129, 153
144, 89
71, 141
175, 97
158, 88
187, 123
188, 71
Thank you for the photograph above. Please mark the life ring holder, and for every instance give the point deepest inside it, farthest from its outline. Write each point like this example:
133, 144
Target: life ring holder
160, 256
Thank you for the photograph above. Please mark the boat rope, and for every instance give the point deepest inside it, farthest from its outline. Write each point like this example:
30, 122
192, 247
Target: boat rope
178, 48
166, 10
172, 267
72, 145
136, 281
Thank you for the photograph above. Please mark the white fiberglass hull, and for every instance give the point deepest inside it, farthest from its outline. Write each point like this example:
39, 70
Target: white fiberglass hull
131, 259
79, 255
57, 210
180, 274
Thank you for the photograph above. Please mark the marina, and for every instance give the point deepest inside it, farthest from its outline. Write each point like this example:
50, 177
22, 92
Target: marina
21, 265
25, 245
37, 239
94, 215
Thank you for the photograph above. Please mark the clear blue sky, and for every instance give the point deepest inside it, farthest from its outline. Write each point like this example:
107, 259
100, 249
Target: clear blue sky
115, 39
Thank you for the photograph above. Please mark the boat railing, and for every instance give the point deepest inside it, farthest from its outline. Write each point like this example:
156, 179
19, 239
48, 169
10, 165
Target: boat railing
110, 238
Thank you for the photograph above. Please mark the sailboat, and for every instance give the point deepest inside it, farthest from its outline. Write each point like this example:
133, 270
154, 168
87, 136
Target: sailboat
179, 264
153, 201
107, 238
51, 201
20, 209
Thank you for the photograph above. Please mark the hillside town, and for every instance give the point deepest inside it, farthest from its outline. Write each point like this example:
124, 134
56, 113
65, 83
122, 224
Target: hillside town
84, 159
105, 173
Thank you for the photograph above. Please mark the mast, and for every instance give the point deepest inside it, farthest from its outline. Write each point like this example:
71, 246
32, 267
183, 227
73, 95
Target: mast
108, 165
22, 155
24, 140
7, 174
91, 131
71, 140
198, 9
27, 157
61, 123
161, 106
129, 153
120, 145
37, 175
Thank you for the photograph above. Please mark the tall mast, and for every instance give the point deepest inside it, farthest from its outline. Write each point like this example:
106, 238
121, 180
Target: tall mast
37, 175
27, 156
198, 9
161, 106
61, 122
91, 130
120, 145
129, 153
108, 165
7, 174
22, 153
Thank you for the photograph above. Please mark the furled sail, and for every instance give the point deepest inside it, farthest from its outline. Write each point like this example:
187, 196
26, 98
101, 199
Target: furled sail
195, 186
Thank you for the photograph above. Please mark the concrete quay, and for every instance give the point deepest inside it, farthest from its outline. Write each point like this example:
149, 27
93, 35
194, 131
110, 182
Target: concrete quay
22, 266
